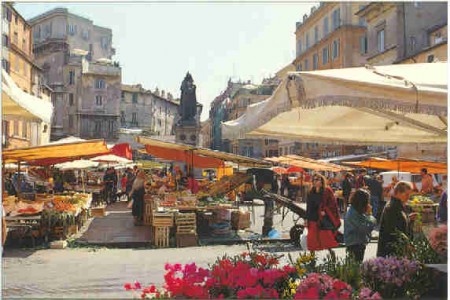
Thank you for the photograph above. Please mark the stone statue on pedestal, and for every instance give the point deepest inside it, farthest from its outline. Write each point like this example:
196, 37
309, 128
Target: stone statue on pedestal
188, 103
187, 128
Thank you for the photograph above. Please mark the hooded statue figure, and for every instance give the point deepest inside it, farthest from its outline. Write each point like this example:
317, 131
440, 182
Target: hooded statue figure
188, 102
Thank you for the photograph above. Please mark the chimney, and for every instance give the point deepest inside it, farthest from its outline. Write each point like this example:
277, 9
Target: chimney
163, 94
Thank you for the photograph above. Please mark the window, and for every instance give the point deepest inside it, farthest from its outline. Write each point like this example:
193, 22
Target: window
281, 151
299, 67
7, 14
122, 117
315, 61
24, 45
99, 100
363, 48
25, 68
85, 34
110, 127
325, 55
16, 19
70, 122
306, 64
16, 128
5, 40
37, 32
335, 52
135, 98
412, 43
134, 118
299, 47
316, 34
123, 96
16, 66
16, 38
71, 77
104, 42
5, 65
72, 29
307, 41
362, 20
417, 4
336, 19
380, 40
159, 123
48, 30
430, 58
70, 99
98, 127
100, 84
325, 26
24, 129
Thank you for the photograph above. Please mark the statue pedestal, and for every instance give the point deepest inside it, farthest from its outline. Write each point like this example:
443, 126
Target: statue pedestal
187, 134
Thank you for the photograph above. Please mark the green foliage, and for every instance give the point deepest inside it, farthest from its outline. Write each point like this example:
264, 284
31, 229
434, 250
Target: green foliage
418, 249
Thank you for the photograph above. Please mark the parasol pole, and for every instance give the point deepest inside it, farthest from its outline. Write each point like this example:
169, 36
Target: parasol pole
18, 180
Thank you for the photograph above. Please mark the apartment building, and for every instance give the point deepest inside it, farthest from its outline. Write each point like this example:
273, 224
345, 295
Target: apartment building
402, 32
18, 62
153, 112
331, 37
75, 55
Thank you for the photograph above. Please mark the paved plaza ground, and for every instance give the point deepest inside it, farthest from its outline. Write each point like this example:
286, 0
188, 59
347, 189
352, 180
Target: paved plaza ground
101, 273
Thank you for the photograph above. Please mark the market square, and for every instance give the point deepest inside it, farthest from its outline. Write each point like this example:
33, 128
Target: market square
210, 150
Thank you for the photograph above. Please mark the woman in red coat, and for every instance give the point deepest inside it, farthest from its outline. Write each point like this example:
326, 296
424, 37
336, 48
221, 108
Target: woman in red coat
321, 204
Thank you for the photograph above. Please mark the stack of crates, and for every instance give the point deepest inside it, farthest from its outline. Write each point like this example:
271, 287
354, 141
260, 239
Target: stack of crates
186, 225
149, 207
161, 224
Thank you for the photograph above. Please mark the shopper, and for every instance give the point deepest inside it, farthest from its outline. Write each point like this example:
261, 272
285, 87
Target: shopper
395, 220
376, 192
358, 225
442, 214
427, 182
137, 194
346, 190
361, 181
130, 180
322, 216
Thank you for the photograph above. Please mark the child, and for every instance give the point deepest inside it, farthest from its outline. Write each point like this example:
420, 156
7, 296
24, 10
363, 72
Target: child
358, 225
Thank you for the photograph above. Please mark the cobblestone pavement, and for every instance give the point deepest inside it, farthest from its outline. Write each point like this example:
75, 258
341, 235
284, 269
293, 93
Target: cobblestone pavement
101, 273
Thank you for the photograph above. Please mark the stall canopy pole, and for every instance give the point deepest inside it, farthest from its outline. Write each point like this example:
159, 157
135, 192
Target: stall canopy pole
18, 180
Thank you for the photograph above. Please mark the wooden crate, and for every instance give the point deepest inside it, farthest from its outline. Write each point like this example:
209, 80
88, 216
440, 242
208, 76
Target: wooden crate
148, 212
161, 236
187, 239
186, 222
240, 220
162, 219
98, 211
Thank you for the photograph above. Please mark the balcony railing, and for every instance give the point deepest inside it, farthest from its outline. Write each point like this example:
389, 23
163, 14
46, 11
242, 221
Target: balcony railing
101, 68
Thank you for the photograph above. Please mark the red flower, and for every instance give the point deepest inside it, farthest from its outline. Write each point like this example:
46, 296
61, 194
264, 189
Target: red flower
331, 295
127, 286
137, 285
311, 293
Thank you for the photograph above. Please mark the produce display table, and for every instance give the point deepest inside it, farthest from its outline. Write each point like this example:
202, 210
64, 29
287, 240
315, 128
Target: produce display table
24, 226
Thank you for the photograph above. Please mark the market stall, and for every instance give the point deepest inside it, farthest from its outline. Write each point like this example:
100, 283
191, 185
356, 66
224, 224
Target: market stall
50, 215
211, 211
402, 165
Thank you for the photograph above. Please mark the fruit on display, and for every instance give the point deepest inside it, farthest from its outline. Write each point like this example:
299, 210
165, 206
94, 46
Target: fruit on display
420, 200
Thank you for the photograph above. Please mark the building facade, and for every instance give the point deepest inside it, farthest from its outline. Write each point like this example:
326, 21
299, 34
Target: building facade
205, 134
331, 37
75, 56
152, 112
18, 62
400, 32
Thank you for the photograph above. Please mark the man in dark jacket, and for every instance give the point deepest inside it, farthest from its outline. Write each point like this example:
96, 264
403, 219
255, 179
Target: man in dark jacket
346, 190
376, 193
395, 220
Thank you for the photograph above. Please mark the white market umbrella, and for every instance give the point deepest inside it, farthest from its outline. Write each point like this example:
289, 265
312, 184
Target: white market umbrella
396, 104
77, 165
111, 158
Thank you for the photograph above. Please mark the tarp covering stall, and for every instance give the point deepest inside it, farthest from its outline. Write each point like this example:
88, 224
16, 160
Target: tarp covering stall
402, 165
307, 163
56, 153
185, 156
398, 104
16, 102
161, 146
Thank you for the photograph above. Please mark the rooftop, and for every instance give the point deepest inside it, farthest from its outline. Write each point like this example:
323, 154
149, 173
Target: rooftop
137, 88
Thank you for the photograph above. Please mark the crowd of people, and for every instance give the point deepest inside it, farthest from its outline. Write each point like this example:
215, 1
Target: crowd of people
366, 206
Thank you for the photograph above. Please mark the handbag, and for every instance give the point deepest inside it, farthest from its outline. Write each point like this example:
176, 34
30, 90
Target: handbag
326, 224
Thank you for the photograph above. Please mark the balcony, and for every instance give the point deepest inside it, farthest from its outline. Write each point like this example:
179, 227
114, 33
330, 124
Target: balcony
101, 68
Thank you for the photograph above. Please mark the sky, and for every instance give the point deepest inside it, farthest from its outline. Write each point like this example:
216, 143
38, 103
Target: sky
157, 43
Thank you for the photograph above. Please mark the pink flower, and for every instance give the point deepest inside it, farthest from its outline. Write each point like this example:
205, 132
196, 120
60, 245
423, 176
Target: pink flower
137, 285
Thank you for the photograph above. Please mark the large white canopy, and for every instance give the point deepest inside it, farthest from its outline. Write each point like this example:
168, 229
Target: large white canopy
395, 104
16, 102
77, 165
